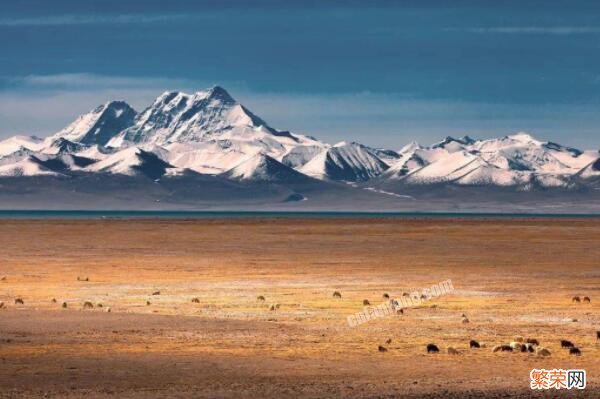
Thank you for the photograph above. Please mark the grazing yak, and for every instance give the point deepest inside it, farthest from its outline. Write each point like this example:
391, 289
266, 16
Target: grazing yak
19, 301
64, 305
88, 305
197, 300
400, 311
337, 294
386, 295
587, 299
388, 341
432, 348
502, 348
566, 344
366, 302
156, 293
382, 348
575, 351
532, 341
576, 299
527, 348
474, 344
597, 335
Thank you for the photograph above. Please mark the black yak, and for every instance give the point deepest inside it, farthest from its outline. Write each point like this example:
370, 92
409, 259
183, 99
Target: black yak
432, 348
575, 351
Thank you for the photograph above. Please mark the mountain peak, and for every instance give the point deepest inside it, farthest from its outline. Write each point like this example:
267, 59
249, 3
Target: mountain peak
100, 124
410, 147
523, 137
219, 93
465, 140
178, 97
261, 167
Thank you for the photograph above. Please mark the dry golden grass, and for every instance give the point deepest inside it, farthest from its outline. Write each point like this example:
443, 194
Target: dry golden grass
512, 277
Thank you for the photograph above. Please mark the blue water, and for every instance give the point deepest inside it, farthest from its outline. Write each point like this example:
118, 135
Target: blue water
75, 214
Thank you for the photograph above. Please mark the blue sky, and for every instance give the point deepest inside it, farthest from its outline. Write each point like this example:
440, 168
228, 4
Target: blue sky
383, 73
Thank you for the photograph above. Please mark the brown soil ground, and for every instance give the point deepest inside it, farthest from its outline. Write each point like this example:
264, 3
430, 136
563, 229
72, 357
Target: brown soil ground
511, 277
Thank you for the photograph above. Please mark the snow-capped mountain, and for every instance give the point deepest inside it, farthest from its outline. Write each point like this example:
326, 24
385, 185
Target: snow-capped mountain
133, 161
17, 143
209, 133
346, 162
99, 125
515, 160
262, 167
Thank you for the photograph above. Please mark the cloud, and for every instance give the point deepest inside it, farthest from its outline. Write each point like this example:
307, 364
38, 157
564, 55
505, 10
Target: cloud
88, 81
536, 30
73, 19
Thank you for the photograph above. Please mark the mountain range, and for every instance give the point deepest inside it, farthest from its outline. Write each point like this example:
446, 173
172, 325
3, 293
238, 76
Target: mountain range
206, 150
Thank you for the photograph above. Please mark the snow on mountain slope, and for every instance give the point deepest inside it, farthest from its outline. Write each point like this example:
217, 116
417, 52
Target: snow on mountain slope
28, 163
451, 167
300, 155
592, 169
452, 144
27, 166
212, 157
514, 160
62, 145
217, 156
261, 167
407, 162
96, 152
202, 116
99, 125
209, 132
390, 157
350, 162
523, 152
15, 143
133, 161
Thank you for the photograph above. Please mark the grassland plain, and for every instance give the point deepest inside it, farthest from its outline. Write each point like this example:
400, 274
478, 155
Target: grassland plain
510, 277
